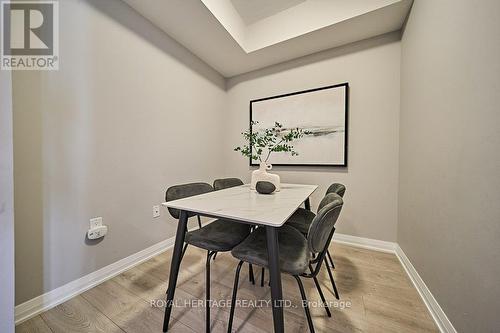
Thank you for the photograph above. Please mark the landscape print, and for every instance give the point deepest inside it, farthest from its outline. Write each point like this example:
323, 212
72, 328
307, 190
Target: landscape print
321, 111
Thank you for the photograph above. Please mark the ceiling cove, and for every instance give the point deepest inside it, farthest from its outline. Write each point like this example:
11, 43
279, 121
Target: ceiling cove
239, 36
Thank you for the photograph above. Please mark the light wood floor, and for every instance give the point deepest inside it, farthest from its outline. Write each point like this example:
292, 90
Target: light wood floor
381, 298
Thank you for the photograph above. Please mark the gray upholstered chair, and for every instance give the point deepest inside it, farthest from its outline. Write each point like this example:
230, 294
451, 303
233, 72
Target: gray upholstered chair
220, 184
223, 183
302, 219
218, 236
297, 253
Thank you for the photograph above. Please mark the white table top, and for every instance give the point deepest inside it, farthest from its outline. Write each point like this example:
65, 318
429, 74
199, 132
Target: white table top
242, 204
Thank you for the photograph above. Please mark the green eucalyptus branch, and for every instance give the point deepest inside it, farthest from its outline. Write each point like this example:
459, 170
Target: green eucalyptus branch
273, 139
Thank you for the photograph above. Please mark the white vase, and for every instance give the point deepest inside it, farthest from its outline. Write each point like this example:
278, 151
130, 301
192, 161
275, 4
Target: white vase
262, 175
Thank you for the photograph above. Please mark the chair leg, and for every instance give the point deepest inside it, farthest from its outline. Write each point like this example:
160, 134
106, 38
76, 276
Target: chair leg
262, 277
330, 258
320, 292
207, 294
184, 250
332, 281
233, 299
304, 301
250, 274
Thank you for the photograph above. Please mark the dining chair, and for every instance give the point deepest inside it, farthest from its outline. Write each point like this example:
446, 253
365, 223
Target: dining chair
296, 251
223, 183
218, 236
220, 184
301, 220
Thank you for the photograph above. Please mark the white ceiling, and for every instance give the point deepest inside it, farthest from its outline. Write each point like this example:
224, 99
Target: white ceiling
252, 11
238, 36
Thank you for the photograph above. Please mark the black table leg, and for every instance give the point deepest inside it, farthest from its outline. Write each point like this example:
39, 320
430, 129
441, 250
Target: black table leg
174, 266
275, 278
307, 204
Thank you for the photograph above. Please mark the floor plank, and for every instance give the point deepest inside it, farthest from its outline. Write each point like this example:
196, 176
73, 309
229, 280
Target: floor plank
376, 296
78, 316
127, 310
34, 325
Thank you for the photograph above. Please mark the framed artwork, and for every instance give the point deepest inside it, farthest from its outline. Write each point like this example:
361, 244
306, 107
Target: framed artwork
321, 111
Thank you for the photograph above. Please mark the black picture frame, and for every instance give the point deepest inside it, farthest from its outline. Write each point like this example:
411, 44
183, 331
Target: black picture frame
346, 123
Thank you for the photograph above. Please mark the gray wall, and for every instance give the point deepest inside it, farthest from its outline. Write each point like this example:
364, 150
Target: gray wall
372, 69
449, 211
6, 206
129, 113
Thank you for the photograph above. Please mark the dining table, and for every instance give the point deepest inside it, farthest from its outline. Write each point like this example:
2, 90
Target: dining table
241, 204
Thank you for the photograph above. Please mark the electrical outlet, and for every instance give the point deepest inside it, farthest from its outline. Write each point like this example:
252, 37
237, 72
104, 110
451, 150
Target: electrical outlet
97, 230
95, 222
156, 211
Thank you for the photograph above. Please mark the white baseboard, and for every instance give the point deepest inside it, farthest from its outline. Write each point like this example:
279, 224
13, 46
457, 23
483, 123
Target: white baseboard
433, 306
59, 295
437, 313
366, 243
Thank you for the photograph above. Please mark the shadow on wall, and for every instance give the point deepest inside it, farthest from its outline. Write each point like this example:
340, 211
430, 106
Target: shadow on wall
317, 57
28, 188
92, 242
120, 12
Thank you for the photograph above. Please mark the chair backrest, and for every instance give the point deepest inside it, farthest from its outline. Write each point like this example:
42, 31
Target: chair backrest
184, 191
220, 184
336, 188
323, 225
